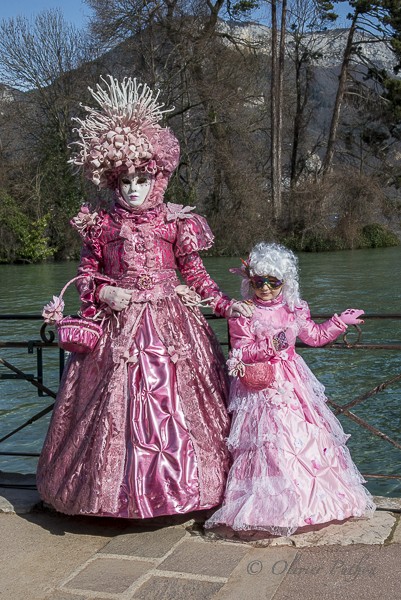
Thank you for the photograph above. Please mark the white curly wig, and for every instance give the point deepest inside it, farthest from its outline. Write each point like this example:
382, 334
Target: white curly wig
278, 261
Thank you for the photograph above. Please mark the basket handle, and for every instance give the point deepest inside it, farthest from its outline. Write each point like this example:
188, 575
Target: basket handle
69, 283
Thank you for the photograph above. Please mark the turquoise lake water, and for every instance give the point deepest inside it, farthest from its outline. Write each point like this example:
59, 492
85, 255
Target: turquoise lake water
330, 282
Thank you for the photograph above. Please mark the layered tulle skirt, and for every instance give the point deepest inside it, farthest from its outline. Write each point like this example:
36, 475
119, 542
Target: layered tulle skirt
291, 467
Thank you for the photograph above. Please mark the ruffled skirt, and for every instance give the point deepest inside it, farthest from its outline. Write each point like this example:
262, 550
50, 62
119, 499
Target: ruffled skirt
139, 425
291, 467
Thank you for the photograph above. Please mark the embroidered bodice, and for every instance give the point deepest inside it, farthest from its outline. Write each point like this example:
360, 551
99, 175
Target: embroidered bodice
141, 252
273, 328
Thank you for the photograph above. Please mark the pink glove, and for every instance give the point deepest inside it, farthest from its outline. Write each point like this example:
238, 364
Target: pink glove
239, 309
351, 316
117, 298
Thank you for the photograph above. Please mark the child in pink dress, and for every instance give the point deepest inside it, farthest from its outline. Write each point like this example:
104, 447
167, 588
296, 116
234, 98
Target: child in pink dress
290, 467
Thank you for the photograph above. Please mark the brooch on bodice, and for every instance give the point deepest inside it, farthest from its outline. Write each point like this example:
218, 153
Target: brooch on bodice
280, 341
145, 282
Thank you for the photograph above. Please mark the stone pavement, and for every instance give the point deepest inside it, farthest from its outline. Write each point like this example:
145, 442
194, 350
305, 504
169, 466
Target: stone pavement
48, 556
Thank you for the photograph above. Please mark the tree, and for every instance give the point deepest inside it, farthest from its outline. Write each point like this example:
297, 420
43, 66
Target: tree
307, 19
205, 68
40, 58
380, 19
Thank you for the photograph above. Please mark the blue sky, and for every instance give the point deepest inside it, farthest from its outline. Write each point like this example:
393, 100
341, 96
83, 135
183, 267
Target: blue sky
75, 11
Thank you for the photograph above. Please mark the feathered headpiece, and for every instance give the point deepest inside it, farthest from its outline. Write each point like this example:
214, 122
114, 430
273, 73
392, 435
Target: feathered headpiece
124, 135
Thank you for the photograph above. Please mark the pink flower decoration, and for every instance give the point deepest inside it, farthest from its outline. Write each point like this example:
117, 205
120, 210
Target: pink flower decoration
53, 312
84, 219
150, 167
173, 354
235, 365
239, 271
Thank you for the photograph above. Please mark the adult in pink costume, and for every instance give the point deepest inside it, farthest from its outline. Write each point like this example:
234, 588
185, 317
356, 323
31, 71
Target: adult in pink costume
139, 423
291, 467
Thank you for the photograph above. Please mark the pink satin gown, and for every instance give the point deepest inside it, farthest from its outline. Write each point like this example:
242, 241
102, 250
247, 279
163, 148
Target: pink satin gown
291, 468
139, 425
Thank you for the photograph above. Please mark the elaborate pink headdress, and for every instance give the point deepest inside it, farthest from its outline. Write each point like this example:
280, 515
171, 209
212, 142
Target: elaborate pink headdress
124, 135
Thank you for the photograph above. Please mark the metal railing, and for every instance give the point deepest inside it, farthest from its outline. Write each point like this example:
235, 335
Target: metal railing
47, 341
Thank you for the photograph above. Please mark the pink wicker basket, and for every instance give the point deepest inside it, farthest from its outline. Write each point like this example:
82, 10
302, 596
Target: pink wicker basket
78, 335
75, 334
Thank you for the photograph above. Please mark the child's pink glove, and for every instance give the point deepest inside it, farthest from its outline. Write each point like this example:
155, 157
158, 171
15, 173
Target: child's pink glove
351, 316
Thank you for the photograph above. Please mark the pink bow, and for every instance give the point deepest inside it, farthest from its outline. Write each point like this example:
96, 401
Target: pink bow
53, 312
178, 211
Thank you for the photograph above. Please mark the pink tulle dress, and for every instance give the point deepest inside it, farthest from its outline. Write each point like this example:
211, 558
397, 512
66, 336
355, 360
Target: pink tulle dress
139, 425
291, 468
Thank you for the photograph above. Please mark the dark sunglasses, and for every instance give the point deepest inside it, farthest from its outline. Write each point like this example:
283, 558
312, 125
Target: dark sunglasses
259, 282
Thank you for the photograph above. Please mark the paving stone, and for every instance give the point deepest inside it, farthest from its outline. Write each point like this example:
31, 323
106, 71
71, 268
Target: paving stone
109, 575
216, 559
387, 503
347, 573
375, 530
396, 537
19, 502
154, 543
40, 550
170, 588
258, 575
363, 531
58, 595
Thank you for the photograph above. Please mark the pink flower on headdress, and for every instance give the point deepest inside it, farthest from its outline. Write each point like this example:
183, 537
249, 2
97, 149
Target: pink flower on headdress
242, 271
53, 312
150, 167
178, 211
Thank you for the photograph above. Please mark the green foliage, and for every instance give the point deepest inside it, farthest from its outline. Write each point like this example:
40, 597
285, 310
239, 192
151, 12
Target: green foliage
378, 236
22, 239
242, 7
373, 235
326, 10
314, 242
393, 95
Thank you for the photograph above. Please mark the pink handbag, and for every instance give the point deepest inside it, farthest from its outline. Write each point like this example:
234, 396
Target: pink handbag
75, 334
78, 335
258, 376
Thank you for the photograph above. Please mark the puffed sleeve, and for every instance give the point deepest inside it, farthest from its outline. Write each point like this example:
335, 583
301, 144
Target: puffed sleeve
253, 349
194, 234
317, 334
91, 263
